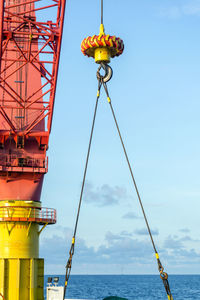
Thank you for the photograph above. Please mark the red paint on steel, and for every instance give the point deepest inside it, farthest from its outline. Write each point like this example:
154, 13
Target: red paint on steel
30, 45
113, 43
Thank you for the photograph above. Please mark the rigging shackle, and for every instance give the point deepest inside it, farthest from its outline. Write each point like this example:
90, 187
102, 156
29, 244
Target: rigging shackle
108, 72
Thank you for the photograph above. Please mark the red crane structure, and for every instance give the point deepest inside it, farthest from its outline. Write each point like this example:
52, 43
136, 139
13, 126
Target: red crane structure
30, 47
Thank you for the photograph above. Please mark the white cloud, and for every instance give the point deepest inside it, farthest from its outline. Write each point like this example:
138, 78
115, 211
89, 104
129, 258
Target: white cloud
144, 231
187, 8
173, 12
116, 251
130, 215
105, 195
184, 230
192, 8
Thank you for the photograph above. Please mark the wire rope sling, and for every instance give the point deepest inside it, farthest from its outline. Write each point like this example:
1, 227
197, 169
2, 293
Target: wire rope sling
102, 48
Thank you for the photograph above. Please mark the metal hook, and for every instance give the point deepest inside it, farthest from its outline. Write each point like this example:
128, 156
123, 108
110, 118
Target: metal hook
108, 72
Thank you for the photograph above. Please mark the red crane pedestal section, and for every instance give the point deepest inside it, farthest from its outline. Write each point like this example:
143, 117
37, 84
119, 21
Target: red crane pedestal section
30, 45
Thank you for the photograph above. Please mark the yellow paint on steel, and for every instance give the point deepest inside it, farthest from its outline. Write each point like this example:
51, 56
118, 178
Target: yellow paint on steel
18, 239
22, 272
102, 55
22, 279
43, 227
14, 203
102, 30
16, 243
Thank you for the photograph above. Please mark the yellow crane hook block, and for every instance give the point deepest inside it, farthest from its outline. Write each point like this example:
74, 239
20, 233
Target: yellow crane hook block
102, 47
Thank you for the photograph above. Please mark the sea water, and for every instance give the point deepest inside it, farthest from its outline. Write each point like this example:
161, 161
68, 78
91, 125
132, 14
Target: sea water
140, 287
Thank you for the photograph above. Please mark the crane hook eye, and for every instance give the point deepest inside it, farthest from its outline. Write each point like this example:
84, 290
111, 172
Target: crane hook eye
108, 72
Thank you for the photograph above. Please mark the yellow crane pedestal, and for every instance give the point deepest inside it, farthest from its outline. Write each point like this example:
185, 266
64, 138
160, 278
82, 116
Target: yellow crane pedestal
21, 269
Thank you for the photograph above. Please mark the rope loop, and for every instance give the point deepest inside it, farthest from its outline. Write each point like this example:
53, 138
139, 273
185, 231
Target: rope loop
108, 73
164, 276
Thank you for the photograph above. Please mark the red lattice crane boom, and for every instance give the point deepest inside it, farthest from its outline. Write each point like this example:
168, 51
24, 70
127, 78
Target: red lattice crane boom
30, 44
30, 51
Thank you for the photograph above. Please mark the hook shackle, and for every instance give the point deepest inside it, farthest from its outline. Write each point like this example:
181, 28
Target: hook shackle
108, 72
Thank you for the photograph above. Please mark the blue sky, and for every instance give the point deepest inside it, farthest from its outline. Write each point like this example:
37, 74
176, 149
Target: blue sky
155, 92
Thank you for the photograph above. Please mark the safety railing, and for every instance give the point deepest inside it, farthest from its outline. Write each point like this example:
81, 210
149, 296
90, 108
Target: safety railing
23, 161
28, 214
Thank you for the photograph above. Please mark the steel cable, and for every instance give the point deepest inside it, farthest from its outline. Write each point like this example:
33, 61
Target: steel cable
71, 252
101, 11
163, 275
129, 166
